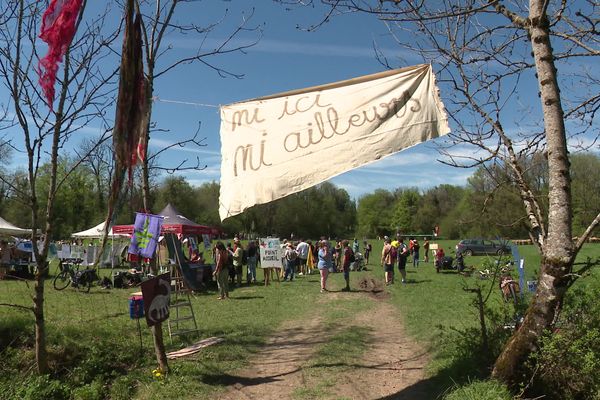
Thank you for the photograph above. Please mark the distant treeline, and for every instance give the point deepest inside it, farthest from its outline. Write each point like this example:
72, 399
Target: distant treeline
488, 205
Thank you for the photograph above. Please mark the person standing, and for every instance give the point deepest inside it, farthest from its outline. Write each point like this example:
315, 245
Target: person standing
221, 272
416, 247
426, 250
439, 257
386, 262
324, 263
337, 255
290, 261
403, 254
368, 249
355, 246
348, 259
238, 254
252, 258
302, 249
230, 266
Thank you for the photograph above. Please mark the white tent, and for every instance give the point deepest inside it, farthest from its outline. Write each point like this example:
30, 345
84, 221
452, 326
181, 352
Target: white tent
7, 228
96, 233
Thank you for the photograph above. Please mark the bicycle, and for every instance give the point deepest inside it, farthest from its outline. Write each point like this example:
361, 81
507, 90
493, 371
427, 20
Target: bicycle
68, 275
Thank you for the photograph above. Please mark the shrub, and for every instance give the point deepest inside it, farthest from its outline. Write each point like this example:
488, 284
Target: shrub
93, 391
122, 388
569, 359
42, 387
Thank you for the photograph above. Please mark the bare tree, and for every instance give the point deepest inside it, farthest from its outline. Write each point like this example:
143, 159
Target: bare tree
82, 99
161, 21
487, 53
97, 155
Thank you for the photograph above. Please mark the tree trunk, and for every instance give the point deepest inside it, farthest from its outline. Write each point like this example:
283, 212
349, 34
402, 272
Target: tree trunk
509, 366
557, 249
41, 354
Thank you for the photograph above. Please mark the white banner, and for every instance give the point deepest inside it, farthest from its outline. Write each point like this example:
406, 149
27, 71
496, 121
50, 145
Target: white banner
278, 145
270, 253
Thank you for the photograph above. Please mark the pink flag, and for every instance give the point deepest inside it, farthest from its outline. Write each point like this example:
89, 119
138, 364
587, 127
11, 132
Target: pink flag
58, 29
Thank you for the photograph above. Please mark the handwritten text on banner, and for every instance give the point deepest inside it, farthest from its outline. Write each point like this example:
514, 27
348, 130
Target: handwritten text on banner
278, 145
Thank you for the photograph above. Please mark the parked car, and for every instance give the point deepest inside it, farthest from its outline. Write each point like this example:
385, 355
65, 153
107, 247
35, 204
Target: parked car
477, 247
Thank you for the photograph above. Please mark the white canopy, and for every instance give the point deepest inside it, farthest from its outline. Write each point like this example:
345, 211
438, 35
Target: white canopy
7, 228
95, 233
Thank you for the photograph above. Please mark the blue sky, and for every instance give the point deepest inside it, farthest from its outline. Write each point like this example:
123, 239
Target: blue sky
288, 58
285, 58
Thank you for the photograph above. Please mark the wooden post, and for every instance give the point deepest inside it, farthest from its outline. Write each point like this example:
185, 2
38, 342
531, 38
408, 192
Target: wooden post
159, 347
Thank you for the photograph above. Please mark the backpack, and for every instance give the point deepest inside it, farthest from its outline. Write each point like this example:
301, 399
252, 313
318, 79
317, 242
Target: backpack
352, 257
245, 257
292, 255
394, 253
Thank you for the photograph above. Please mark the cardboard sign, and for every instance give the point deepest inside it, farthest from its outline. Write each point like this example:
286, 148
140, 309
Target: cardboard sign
270, 253
157, 294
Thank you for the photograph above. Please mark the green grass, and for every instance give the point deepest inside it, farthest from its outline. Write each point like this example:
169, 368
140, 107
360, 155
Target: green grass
438, 313
95, 348
480, 390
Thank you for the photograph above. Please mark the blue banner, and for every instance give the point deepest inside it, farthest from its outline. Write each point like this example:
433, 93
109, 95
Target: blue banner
146, 230
520, 266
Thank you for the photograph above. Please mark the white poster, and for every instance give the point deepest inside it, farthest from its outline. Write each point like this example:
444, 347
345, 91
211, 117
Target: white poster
270, 253
278, 145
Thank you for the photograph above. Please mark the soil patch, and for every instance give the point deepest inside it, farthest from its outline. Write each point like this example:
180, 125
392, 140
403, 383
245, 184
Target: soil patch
392, 367
277, 369
374, 288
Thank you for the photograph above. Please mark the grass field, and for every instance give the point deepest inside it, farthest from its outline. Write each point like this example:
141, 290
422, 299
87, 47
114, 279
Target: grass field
95, 347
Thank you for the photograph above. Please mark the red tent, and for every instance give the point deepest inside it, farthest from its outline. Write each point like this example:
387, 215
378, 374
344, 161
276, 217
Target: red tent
173, 222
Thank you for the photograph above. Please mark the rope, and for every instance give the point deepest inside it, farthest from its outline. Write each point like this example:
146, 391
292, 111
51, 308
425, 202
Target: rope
189, 103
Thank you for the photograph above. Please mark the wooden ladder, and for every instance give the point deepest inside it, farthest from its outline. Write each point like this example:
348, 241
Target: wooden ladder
182, 320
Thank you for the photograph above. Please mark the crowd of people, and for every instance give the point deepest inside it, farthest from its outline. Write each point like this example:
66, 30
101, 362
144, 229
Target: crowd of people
303, 257
298, 258
397, 252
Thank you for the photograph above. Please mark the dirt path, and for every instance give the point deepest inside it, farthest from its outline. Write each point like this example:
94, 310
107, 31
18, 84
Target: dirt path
391, 364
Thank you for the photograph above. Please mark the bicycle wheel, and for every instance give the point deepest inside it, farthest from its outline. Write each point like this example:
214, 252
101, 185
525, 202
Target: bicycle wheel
62, 280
